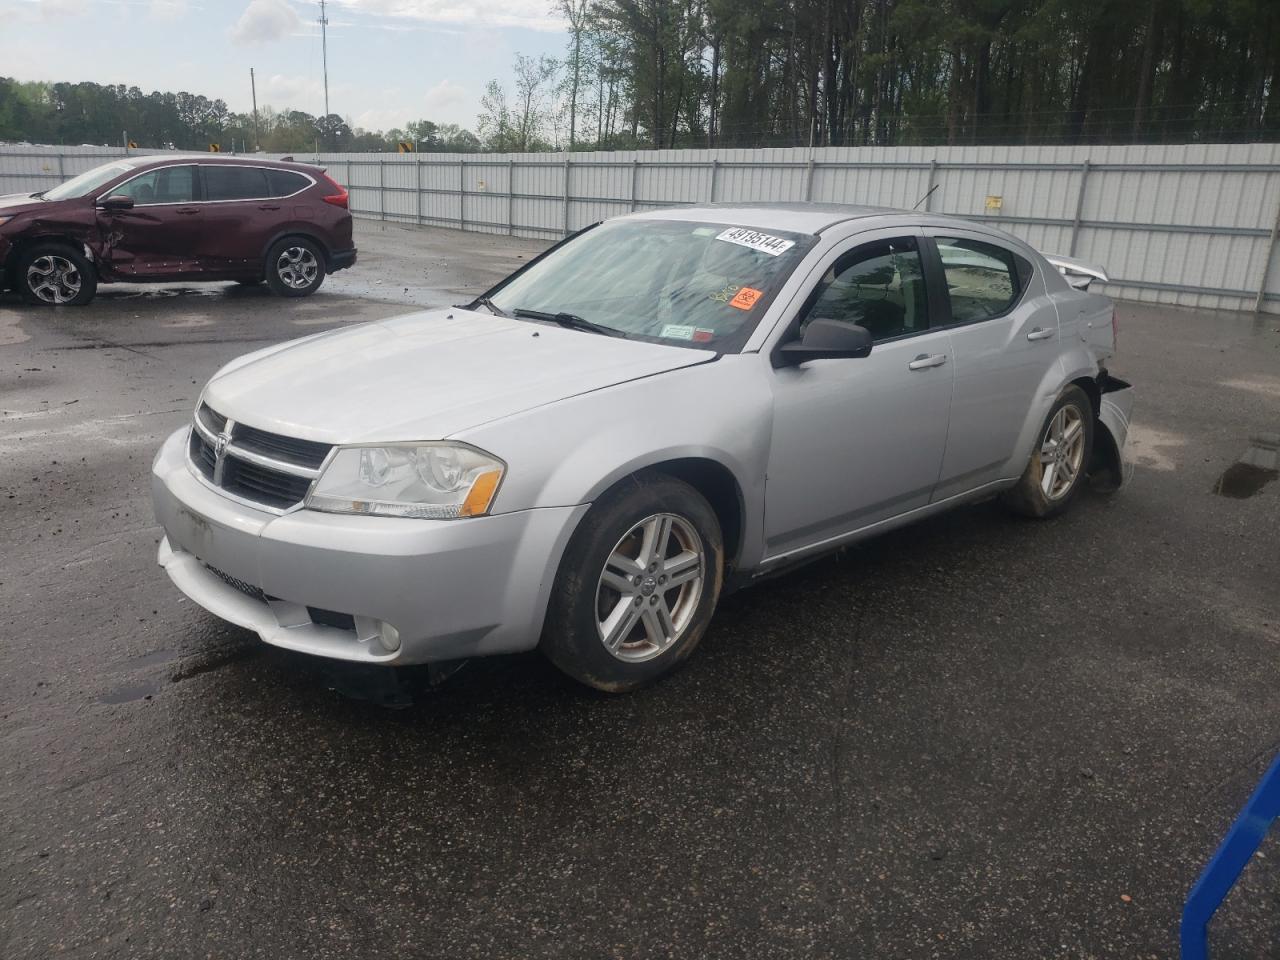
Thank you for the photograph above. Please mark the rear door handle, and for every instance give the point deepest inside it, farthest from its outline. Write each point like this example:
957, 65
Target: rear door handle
268, 206
189, 211
924, 361
1039, 334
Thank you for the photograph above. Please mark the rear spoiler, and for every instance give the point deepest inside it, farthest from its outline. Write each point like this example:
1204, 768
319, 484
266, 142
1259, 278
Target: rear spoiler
1078, 273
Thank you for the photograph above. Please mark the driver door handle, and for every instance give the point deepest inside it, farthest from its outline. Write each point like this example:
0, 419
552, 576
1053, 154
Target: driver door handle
925, 361
189, 211
1039, 334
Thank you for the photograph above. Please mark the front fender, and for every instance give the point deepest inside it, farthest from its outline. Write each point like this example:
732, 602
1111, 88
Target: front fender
572, 451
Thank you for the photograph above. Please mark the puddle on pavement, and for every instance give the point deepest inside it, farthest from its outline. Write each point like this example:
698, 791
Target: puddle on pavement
1253, 471
145, 689
1240, 481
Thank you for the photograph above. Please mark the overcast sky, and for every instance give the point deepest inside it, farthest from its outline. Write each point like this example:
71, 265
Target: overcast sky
390, 61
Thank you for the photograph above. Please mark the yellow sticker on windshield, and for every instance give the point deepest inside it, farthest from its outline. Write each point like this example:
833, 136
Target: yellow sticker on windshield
746, 298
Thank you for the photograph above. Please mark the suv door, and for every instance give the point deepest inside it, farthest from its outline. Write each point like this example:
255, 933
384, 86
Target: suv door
859, 440
160, 235
1004, 335
241, 216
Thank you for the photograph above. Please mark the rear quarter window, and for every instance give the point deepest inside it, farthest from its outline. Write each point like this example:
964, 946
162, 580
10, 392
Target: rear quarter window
285, 183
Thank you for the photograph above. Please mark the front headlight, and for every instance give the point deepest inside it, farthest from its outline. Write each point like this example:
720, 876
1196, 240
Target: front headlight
433, 481
4, 220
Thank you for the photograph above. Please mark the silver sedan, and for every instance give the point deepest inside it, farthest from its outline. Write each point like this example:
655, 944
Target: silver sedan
660, 409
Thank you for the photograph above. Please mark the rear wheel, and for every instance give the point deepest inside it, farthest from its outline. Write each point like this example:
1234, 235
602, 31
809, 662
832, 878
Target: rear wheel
295, 267
1057, 468
637, 586
55, 274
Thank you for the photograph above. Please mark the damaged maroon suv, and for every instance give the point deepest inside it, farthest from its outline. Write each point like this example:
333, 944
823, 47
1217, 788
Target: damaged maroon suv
166, 218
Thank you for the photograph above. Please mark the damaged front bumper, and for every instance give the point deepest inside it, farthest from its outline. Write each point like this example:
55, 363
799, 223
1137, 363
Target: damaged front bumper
331, 585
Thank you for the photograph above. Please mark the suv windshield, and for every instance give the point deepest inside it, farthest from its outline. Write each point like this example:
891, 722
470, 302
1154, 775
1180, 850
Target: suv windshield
87, 182
675, 281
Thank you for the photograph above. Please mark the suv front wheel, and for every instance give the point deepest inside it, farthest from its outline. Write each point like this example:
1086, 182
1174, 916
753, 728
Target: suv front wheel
295, 267
55, 274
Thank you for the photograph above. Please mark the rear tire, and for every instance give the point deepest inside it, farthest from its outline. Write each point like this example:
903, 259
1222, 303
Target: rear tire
1056, 471
55, 274
637, 586
295, 267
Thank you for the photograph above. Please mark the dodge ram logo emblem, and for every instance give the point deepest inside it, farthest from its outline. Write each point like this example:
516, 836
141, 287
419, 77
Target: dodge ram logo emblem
220, 444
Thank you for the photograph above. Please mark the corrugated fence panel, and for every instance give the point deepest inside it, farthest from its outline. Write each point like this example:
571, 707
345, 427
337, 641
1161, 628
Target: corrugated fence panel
1188, 224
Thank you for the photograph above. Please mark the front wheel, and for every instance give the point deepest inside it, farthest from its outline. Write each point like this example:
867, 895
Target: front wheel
1056, 471
53, 274
637, 586
295, 267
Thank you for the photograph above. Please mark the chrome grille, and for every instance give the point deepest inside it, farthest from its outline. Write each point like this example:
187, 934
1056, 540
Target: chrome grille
255, 465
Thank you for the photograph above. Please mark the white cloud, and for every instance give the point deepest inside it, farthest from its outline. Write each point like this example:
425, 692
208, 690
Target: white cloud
168, 9
264, 21
380, 119
444, 95
530, 14
292, 89
56, 9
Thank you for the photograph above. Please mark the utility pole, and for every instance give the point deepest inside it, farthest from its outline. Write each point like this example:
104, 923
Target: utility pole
324, 54
257, 142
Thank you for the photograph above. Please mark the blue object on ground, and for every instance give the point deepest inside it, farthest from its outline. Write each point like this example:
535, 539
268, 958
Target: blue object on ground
1232, 856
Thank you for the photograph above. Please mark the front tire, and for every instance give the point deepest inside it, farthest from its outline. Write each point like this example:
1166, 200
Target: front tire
1057, 468
54, 274
637, 586
295, 267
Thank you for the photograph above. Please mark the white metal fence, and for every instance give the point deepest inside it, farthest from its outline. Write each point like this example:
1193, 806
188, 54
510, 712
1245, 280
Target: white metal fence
1193, 225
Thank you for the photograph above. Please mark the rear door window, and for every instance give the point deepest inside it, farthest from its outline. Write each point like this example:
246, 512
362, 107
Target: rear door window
235, 183
983, 280
285, 183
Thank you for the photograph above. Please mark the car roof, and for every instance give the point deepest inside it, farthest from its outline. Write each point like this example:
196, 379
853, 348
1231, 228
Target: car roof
813, 218
794, 217
141, 162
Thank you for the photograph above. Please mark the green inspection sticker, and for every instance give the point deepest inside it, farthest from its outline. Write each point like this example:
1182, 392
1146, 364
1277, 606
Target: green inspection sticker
673, 331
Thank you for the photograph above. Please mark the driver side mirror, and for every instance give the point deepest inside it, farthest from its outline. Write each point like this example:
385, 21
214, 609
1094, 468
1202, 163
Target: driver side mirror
118, 202
825, 340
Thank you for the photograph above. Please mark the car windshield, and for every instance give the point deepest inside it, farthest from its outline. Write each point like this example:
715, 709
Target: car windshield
673, 281
87, 182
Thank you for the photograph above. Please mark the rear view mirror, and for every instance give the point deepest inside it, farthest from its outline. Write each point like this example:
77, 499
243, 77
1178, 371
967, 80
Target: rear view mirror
825, 340
119, 202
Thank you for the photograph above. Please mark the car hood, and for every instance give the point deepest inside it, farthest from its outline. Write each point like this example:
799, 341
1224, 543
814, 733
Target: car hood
19, 203
426, 376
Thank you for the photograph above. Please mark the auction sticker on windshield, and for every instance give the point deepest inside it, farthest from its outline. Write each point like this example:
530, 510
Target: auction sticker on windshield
763, 242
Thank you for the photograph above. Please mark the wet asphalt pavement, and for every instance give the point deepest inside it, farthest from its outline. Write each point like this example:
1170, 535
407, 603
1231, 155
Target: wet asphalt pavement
976, 737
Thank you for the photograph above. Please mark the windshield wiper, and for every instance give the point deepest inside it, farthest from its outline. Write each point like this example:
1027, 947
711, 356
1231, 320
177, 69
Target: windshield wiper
484, 302
570, 320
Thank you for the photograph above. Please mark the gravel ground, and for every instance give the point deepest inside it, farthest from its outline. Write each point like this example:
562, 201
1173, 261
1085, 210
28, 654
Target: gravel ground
976, 737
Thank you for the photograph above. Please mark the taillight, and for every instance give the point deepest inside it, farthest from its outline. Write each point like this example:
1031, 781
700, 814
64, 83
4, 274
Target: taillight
1115, 330
339, 199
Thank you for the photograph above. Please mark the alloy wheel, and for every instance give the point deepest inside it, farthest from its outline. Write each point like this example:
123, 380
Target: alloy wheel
53, 279
1062, 452
297, 267
650, 587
